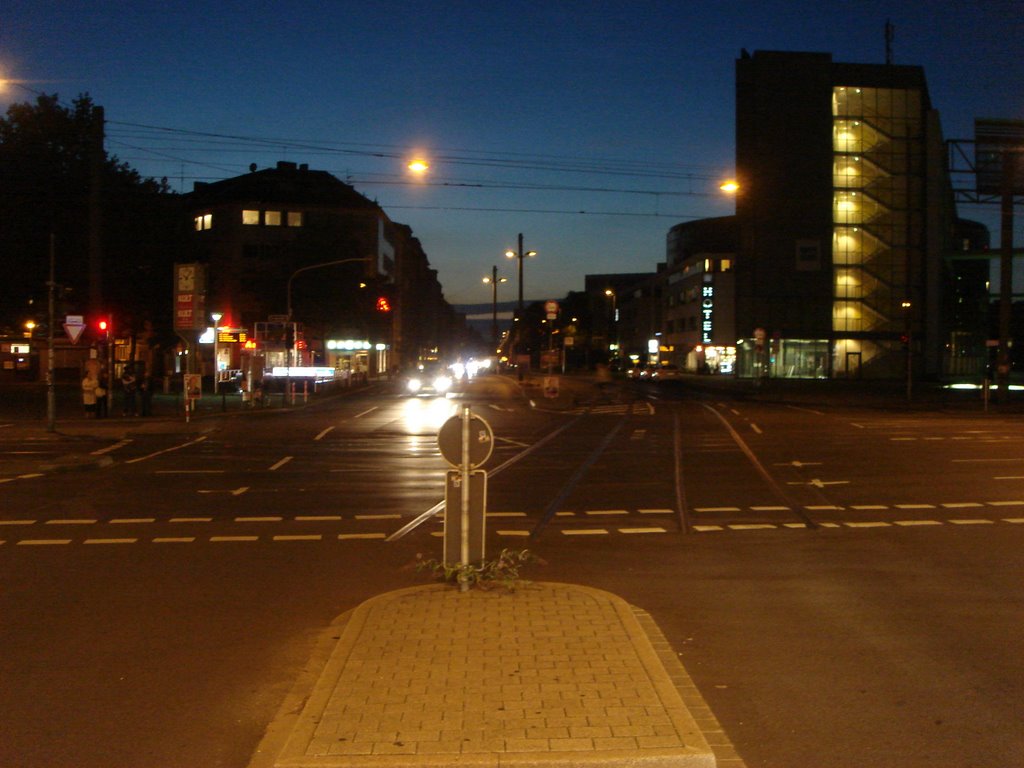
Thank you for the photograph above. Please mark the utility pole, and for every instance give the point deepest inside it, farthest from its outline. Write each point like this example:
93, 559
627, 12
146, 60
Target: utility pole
519, 254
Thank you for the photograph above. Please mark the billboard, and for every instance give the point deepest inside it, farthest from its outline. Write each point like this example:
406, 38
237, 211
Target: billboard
999, 147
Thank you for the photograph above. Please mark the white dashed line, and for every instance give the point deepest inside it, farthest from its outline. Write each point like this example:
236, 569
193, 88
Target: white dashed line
281, 463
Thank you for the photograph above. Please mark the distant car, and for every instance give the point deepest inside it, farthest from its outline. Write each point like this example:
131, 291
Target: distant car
434, 381
665, 372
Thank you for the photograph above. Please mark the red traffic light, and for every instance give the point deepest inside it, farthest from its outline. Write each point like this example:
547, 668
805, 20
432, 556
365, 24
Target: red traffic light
102, 325
383, 305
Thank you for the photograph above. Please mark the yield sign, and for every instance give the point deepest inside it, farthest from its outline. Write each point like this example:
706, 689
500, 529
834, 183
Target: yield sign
73, 327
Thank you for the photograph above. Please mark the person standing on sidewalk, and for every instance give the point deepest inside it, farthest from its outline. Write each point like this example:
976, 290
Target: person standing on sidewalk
89, 386
128, 383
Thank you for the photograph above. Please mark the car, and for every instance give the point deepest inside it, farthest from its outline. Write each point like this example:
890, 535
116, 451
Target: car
429, 381
665, 372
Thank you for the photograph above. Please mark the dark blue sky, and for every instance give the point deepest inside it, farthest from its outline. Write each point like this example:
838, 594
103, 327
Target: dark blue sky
591, 127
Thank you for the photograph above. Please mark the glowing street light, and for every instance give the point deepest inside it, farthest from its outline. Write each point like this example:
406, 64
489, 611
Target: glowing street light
494, 280
520, 255
418, 166
730, 187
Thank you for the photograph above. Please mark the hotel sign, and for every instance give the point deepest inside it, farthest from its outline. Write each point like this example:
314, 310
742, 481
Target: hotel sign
707, 310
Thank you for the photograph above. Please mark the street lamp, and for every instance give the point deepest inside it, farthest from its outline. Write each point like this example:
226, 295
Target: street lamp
494, 280
615, 317
519, 254
216, 357
288, 326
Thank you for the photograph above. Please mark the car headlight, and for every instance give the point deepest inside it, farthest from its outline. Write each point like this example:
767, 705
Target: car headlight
442, 383
414, 385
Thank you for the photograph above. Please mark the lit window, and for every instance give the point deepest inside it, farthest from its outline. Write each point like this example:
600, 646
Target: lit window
294, 218
251, 218
204, 221
725, 265
272, 218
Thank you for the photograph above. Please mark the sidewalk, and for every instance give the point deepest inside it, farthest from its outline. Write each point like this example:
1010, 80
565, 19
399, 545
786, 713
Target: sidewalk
550, 675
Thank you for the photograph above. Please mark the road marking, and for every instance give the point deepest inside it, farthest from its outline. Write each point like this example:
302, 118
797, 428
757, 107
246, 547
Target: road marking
83, 521
324, 432
131, 520
869, 524
190, 471
299, 537
823, 508
234, 538
769, 509
972, 521
908, 523
174, 539
343, 536
1004, 503
259, 519
584, 531
110, 448
1013, 519
281, 463
166, 450
110, 541
756, 428
717, 509
191, 520
751, 526
656, 511
962, 504
866, 507
506, 514
703, 528
638, 434
368, 410
316, 518
914, 506
605, 512
513, 533
17, 522
42, 542
378, 517
1009, 477
642, 530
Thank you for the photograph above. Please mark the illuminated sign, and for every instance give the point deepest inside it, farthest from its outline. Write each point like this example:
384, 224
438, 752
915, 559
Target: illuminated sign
707, 311
231, 337
348, 345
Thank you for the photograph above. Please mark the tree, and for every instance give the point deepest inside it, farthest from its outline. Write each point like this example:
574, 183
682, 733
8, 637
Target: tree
51, 159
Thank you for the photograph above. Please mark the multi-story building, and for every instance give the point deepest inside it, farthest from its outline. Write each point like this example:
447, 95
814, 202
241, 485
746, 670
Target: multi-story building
844, 214
271, 240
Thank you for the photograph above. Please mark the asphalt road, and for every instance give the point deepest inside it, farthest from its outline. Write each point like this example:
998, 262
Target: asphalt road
842, 584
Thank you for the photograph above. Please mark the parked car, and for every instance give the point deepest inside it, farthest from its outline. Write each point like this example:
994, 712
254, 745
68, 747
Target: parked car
665, 372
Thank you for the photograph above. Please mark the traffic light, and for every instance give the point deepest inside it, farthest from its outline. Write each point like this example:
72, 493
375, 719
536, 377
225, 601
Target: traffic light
102, 325
383, 304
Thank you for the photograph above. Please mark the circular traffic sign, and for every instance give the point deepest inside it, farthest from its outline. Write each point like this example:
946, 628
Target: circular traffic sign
481, 441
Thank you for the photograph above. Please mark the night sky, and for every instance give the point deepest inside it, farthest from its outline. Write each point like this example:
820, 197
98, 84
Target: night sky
591, 127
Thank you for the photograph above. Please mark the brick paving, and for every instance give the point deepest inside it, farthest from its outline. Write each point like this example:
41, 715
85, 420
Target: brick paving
552, 674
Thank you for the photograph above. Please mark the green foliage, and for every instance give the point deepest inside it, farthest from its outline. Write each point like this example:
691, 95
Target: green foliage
502, 571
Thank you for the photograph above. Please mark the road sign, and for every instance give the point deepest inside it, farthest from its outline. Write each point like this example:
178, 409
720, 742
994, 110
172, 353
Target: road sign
481, 441
193, 386
551, 309
73, 327
475, 519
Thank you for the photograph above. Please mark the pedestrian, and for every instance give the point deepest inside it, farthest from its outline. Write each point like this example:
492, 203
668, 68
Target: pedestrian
89, 386
128, 383
146, 396
102, 400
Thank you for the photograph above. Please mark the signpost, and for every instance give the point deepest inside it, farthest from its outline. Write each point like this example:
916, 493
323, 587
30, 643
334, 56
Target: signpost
466, 442
73, 327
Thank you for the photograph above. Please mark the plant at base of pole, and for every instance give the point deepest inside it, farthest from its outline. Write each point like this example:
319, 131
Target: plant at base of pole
502, 571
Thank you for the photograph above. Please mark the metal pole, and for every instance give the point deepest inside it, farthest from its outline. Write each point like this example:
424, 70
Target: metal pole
519, 328
464, 472
51, 396
1005, 277
494, 307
